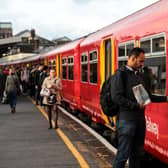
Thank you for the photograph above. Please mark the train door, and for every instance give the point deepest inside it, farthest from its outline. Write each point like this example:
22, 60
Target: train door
107, 66
58, 65
108, 62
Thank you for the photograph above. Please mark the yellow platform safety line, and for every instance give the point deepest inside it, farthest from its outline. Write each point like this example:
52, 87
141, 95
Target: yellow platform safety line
71, 147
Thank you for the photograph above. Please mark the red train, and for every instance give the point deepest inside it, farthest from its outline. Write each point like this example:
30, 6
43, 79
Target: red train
84, 64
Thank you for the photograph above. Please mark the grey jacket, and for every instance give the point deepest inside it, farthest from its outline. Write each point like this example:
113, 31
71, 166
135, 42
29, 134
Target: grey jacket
12, 83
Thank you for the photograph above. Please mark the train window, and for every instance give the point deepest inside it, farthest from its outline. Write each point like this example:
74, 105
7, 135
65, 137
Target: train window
70, 68
121, 51
125, 48
54, 64
129, 47
84, 68
93, 67
153, 44
146, 46
156, 79
156, 74
158, 44
50, 64
64, 68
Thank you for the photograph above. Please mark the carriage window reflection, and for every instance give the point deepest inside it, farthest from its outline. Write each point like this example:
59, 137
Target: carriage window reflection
93, 67
84, 68
121, 51
129, 47
155, 78
158, 44
64, 68
125, 48
70, 68
146, 46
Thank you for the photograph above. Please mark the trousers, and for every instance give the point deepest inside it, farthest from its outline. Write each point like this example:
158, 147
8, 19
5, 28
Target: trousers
49, 110
131, 135
12, 95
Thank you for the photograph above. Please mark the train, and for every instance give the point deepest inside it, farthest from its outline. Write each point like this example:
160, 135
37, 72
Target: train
85, 63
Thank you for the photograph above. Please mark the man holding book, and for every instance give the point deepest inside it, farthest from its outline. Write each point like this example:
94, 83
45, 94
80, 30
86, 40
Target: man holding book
131, 117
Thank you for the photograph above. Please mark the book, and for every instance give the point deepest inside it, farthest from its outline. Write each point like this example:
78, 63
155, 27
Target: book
141, 94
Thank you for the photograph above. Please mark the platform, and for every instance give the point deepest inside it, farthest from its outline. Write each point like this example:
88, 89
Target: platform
26, 142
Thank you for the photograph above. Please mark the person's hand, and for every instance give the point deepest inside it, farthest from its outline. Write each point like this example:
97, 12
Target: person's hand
142, 106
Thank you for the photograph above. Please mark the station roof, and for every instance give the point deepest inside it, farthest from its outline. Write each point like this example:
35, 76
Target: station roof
12, 58
14, 39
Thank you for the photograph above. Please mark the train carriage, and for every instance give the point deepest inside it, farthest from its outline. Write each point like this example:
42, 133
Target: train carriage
146, 28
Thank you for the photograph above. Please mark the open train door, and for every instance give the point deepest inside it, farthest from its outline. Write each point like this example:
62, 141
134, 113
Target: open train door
107, 67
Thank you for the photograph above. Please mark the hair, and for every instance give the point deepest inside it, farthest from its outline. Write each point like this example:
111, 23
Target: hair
136, 52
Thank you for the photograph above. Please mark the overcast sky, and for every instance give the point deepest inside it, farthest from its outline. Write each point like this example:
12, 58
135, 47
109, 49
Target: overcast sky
73, 18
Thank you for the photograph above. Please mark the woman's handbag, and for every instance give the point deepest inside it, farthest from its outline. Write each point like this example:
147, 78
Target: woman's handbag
51, 99
45, 92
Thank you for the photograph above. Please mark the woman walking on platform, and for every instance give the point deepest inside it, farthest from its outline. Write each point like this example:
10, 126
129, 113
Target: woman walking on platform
54, 85
11, 86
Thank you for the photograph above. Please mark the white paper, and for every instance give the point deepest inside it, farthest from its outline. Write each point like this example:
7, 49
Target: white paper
141, 94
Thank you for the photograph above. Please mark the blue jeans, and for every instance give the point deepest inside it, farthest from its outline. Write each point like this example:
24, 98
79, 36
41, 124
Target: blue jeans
12, 98
131, 135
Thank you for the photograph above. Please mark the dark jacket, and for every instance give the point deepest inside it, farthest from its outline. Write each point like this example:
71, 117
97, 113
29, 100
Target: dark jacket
43, 75
36, 77
122, 94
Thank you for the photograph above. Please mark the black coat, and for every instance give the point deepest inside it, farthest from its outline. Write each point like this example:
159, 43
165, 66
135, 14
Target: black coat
122, 94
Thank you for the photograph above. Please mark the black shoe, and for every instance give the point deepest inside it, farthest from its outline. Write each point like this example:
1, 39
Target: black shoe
49, 127
56, 127
13, 110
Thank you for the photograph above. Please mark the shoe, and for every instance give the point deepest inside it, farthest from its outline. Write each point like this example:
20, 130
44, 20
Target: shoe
50, 127
56, 127
14, 110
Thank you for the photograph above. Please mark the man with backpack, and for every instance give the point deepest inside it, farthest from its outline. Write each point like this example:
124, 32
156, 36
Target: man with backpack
131, 122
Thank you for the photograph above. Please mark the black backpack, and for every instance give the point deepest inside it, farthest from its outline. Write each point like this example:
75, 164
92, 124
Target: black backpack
108, 106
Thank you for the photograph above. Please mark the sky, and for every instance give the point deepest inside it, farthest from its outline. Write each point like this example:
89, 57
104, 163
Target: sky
72, 18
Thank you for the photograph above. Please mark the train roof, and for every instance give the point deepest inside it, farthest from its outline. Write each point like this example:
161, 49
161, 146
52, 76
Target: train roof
63, 48
141, 16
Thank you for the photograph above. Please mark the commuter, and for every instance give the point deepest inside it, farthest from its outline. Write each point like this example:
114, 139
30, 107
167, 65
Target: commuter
54, 85
11, 86
43, 75
25, 79
131, 117
32, 81
37, 86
